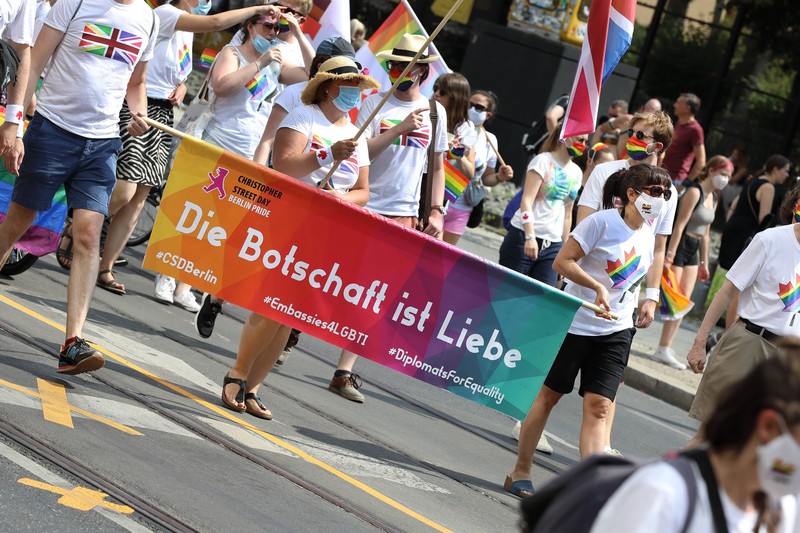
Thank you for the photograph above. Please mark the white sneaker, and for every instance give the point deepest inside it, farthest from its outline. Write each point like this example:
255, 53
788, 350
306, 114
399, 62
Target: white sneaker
165, 286
515, 431
543, 446
608, 450
666, 355
187, 301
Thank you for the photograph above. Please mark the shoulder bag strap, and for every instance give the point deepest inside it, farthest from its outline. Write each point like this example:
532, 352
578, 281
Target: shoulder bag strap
700, 456
750, 202
428, 193
684, 467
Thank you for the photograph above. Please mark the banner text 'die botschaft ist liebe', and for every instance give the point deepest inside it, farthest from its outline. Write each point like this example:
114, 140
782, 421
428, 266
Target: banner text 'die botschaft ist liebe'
281, 248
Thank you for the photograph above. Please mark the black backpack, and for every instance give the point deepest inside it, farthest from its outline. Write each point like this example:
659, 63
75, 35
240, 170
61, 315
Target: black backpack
572, 501
9, 63
534, 138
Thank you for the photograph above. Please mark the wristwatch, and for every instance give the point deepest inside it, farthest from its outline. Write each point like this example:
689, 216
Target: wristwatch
529, 236
439, 208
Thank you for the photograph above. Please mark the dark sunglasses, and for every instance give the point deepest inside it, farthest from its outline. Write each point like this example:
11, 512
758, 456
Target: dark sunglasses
438, 89
477, 107
274, 26
657, 191
291, 11
639, 135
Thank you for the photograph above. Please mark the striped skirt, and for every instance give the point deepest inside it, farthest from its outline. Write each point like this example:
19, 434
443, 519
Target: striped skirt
144, 158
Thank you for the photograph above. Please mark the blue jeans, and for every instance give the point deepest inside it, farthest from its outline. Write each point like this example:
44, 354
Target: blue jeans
53, 156
512, 255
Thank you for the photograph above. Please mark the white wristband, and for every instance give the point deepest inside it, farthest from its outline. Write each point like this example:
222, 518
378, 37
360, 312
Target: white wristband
652, 294
527, 217
324, 156
15, 114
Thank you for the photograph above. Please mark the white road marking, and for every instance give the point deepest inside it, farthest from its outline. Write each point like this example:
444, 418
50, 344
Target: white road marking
561, 441
660, 423
244, 436
53, 479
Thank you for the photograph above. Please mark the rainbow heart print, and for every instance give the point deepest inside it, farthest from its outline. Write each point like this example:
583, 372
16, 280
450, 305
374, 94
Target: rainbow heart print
789, 293
626, 272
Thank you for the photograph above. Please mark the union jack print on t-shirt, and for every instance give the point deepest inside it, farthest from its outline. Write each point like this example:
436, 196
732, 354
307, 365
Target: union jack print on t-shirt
110, 42
418, 138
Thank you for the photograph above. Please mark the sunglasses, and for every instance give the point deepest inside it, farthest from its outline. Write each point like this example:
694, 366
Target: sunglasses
477, 107
657, 191
438, 89
639, 134
271, 26
291, 12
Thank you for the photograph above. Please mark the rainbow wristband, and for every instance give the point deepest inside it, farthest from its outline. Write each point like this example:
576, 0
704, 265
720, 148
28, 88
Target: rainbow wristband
324, 156
527, 217
652, 294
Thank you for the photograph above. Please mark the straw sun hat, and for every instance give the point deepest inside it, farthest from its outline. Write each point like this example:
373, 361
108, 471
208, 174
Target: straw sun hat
405, 50
337, 68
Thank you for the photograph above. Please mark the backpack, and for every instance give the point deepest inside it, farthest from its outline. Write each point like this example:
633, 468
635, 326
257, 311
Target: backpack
572, 501
511, 208
9, 63
535, 136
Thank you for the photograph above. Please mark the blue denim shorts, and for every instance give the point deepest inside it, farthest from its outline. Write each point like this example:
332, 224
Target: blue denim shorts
53, 156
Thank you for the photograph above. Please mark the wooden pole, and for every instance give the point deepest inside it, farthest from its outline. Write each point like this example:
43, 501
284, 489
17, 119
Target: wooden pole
391, 91
597, 309
172, 131
494, 148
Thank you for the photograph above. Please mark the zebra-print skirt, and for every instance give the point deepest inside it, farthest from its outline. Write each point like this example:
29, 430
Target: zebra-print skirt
144, 158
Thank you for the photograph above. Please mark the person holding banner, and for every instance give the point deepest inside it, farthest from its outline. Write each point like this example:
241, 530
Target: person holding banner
143, 161
401, 138
542, 223
304, 149
605, 259
73, 139
687, 254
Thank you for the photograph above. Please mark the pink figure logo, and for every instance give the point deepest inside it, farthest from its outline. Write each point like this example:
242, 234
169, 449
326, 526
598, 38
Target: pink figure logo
217, 181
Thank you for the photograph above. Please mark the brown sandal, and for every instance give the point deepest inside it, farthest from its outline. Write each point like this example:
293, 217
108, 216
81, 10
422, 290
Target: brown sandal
262, 411
111, 284
64, 250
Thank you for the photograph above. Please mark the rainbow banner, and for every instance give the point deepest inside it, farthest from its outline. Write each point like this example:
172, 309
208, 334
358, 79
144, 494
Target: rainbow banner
454, 182
673, 305
207, 58
42, 237
243, 232
402, 20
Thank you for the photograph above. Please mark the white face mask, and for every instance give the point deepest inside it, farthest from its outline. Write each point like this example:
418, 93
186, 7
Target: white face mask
649, 207
720, 181
475, 117
779, 465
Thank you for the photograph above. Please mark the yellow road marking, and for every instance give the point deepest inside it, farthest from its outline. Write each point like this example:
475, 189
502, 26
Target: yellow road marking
84, 412
79, 498
55, 406
236, 420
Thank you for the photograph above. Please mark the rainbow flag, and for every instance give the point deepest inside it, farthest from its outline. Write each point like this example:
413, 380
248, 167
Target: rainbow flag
789, 294
402, 20
673, 305
454, 182
151, 3
207, 58
42, 237
259, 87
184, 61
627, 272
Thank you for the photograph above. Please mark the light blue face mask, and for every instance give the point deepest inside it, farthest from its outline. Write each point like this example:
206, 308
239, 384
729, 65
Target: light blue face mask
262, 44
202, 8
348, 98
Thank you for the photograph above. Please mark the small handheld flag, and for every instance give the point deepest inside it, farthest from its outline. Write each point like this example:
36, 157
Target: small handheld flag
454, 182
674, 305
207, 58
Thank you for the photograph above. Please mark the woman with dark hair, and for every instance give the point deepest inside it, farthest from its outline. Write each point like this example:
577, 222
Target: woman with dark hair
298, 152
605, 260
544, 218
482, 107
753, 453
764, 283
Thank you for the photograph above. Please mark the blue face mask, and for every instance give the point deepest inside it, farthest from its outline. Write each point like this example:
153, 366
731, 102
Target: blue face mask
262, 44
348, 98
202, 8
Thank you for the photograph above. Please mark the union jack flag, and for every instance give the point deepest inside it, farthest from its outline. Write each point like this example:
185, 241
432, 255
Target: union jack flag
418, 138
110, 42
350, 165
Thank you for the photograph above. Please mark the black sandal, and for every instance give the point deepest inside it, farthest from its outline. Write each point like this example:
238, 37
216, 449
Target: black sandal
264, 413
64, 250
111, 285
239, 395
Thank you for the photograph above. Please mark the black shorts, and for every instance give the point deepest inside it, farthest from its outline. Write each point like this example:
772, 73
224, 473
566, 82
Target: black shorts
601, 360
687, 254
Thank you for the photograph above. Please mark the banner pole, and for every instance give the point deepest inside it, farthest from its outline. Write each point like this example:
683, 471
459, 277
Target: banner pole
597, 309
494, 148
411, 64
172, 131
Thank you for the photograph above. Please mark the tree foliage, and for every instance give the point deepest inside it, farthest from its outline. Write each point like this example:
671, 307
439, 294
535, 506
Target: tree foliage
776, 25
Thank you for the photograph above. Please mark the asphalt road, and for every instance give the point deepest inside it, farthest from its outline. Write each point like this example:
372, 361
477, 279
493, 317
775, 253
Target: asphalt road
150, 425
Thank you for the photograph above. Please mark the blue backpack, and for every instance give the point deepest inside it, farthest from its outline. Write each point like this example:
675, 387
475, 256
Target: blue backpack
511, 208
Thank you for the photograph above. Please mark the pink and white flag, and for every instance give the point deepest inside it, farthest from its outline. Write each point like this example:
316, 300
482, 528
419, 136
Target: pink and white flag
608, 35
328, 18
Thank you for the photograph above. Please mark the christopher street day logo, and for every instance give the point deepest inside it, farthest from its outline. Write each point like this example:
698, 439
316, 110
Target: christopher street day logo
217, 182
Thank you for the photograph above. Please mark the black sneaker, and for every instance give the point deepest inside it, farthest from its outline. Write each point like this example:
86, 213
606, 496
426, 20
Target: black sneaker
78, 358
207, 315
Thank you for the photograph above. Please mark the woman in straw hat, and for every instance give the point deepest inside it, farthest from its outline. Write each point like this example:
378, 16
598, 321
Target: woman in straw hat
300, 151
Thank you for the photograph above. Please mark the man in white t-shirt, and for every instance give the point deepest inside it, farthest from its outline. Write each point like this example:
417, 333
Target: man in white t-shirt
649, 137
73, 140
17, 22
398, 139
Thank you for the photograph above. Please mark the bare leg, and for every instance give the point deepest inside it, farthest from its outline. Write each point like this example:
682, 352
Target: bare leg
612, 410
451, 238
121, 227
346, 361
17, 221
181, 288
258, 332
531, 431
266, 359
86, 227
593, 427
